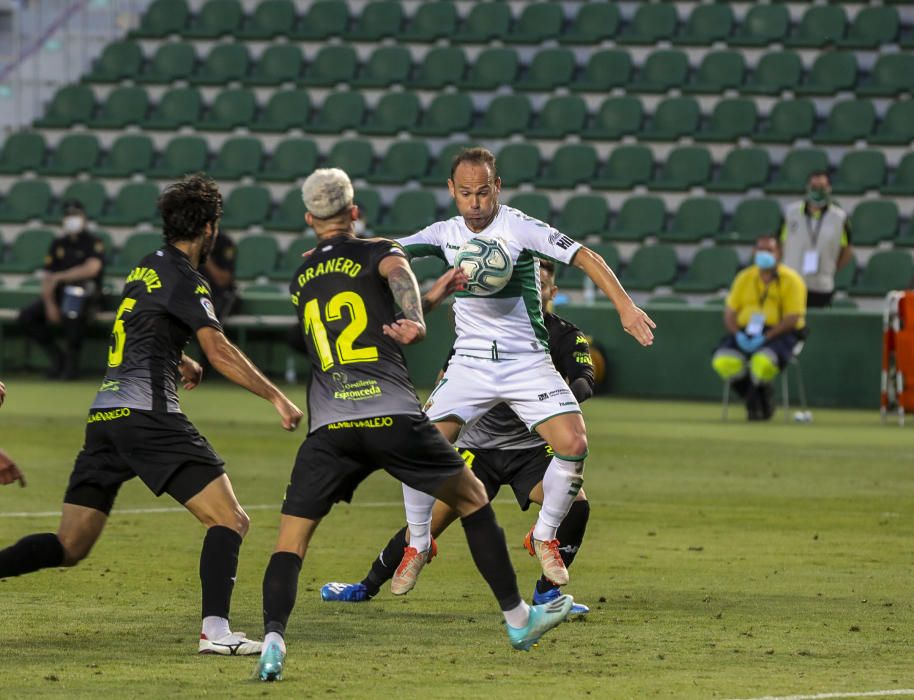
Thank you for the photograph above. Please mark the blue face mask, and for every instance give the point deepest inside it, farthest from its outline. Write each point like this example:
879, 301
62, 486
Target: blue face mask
765, 260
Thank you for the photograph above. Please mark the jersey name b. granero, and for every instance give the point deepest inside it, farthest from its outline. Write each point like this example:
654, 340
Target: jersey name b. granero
165, 301
342, 302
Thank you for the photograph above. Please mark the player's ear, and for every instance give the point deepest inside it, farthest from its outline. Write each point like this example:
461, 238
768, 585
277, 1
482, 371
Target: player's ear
355, 212
309, 219
451, 188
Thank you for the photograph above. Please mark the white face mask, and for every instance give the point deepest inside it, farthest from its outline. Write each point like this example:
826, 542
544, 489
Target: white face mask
72, 224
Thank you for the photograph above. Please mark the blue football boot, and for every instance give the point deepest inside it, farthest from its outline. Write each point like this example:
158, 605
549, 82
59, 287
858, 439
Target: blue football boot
552, 594
344, 593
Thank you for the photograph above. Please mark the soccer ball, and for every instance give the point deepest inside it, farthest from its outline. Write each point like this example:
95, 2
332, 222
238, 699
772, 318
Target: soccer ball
486, 263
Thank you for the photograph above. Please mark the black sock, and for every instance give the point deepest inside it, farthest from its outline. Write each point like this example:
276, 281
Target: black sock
30, 554
218, 566
490, 553
280, 586
386, 563
570, 535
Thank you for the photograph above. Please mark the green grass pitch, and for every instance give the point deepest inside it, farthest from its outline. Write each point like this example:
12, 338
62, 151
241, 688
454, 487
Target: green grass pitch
722, 561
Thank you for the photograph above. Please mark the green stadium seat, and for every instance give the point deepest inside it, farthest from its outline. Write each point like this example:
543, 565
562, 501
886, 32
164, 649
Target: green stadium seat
537, 22
27, 252
706, 25
404, 161
651, 266
667, 299
72, 104
135, 203
897, 127
291, 160
605, 70
230, 109
485, 22
245, 206
775, 73
742, 169
369, 203
712, 269
163, 17
903, 181
885, 271
181, 156
905, 239
411, 211
763, 25
442, 66
685, 167
431, 21
662, 71
844, 278
847, 122
125, 106
118, 60
428, 268
22, 151
594, 22
447, 114
440, 170
379, 19
820, 26
892, 75
795, 170
355, 156
583, 215
872, 27
331, 66
286, 109
533, 204
324, 19
695, 219
91, 193
25, 200
177, 108
873, 222
171, 62
650, 25
718, 71
129, 155
559, 117
639, 217
789, 120
751, 219
626, 167
291, 258
278, 64
238, 157
217, 18
830, 73
270, 19
75, 153
387, 65
518, 163
135, 248
731, 120
339, 112
617, 117
859, 172
571, 165
222, 65
256, 257
674, 118
493, 67
571, 277
289, 215
505, 115
395, 112
550, 69
843, 303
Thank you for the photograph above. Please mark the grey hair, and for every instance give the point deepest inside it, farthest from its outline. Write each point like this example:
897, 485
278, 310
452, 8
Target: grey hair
326, 192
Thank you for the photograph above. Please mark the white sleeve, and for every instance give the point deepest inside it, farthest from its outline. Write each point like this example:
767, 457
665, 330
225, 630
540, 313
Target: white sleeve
428, 241
543, 240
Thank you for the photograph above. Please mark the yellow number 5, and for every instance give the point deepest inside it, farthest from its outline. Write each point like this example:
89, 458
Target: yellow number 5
118, 335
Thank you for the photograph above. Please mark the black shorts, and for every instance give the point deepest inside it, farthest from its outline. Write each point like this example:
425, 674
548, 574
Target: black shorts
336, 458
519, 469
163, 449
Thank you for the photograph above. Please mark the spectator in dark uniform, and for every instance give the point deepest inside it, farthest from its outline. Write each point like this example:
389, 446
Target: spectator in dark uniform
219, 270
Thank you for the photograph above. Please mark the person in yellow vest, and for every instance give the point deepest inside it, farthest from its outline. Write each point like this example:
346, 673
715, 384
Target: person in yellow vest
765, 318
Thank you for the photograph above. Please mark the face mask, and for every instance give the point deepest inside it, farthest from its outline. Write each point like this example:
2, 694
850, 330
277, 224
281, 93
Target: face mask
765, 260
817, 196
72, 224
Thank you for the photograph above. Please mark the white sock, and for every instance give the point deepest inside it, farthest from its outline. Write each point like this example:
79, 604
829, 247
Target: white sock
517, 617
418, 506
561, 484
273, 637
215, 627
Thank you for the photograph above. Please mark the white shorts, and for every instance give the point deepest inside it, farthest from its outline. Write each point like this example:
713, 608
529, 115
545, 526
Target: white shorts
528, 383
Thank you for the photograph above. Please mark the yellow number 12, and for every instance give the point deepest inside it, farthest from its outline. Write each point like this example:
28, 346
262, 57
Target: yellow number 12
358, 322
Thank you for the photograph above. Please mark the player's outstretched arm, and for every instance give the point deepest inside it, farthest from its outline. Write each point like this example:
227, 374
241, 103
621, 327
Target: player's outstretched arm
634, 321
411, 328
235, 365
9, 472
451, 281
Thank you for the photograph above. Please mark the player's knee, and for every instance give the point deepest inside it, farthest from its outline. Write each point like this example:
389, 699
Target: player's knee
74, 550
242, 522
574, 447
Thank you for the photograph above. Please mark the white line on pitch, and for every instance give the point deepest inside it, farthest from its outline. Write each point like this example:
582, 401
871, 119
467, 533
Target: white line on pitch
178, 509
827, 696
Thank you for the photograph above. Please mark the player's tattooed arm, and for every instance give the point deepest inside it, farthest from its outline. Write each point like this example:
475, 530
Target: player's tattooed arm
405, 290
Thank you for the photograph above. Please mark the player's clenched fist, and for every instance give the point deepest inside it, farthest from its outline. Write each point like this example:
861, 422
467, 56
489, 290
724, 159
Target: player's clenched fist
404, 331
9, 472
638, 325
290, 413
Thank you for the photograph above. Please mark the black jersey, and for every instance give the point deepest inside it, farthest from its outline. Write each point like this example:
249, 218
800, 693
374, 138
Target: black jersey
500, 428
165, 301
69, 251
343, 302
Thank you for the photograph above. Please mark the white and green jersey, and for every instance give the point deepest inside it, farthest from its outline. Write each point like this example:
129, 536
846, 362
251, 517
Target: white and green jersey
511, 320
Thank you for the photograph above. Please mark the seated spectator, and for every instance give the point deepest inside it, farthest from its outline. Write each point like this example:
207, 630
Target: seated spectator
764, 317
219, 270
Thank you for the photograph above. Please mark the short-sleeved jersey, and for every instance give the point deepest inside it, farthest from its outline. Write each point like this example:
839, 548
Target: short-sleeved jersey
67, 251
500, 428
511, 320
783, 296
165, 301
343, 302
